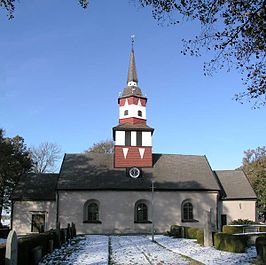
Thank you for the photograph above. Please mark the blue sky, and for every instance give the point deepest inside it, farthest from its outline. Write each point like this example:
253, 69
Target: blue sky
62, 69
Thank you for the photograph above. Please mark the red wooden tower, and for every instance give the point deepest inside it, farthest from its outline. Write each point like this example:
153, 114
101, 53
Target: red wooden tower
133, 138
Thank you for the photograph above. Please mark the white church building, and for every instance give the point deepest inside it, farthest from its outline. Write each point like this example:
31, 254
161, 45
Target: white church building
112, 193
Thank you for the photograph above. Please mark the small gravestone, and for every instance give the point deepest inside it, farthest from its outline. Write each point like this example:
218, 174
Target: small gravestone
11, 248
58, 236
73, 229
50, 245
68, 232
182, 231
36, 255
207, 229
64, 235
261, 250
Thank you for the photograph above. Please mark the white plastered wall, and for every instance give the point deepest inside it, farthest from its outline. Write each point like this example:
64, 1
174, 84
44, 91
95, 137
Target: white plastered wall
146, 139
132, 111
133, 138
22, 215
117, 210
120, 137
238, 209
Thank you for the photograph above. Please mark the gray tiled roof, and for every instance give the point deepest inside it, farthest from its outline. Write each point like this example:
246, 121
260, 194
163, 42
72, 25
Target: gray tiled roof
36, 187
132, 91
127, 126
94, 171
235, 184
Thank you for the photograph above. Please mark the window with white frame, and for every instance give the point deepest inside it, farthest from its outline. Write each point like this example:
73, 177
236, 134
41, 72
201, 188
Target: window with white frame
38, 222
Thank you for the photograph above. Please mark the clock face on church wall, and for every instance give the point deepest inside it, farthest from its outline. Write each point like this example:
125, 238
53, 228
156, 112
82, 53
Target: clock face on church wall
134, 172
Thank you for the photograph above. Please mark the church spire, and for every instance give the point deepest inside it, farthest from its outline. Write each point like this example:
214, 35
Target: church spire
133, 137
132, 78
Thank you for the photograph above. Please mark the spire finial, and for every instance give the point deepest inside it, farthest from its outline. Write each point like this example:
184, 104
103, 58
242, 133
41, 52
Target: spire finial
132, 41
132, 79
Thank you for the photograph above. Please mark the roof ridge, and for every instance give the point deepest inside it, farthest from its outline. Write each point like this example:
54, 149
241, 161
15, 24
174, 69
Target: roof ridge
177, 154
220, 170
43, 173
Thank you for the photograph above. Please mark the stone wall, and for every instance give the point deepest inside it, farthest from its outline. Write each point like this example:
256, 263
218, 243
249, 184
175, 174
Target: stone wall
238, 209
116, 212
22, 215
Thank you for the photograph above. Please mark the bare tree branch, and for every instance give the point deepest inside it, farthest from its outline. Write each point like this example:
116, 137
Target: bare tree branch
45, 157
106, 147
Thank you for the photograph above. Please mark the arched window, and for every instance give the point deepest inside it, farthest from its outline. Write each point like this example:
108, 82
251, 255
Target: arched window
141, 212
125, 112
93, 212
187, 211
139, 113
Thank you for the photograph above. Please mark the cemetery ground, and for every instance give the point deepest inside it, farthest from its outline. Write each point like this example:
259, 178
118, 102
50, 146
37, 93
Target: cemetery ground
123, 250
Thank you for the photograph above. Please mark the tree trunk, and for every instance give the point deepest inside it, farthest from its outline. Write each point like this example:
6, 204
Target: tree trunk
1, 204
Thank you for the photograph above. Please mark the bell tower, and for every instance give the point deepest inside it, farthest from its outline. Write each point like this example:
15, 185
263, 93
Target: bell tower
133, 137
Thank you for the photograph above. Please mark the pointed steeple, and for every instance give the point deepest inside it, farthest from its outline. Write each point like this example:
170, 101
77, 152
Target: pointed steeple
132, 78
132, 88
133, 137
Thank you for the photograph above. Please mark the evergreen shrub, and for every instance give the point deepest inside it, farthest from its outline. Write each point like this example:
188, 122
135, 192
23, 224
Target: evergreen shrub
231, 243
262, 229
2, 253
4, 231
232, 229
175, 231
243, 222
191, 232
200, 237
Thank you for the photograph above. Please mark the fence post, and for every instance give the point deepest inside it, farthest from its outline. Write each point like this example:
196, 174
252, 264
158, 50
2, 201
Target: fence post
68, 233
65, 235
74, 229
11, 248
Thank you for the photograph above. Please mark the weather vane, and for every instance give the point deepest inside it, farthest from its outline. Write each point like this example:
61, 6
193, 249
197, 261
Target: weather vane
132, 40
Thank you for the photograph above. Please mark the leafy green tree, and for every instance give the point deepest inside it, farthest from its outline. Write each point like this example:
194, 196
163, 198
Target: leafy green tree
254, 165
14, 161
9, 6
234, 30
106, 147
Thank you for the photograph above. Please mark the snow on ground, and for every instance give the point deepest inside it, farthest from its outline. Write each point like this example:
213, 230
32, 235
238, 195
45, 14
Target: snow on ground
206, 255
140, 250
82, 251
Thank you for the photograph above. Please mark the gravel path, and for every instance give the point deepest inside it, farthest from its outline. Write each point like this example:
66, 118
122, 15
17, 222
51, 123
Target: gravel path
206, 255
139, 250
82, 251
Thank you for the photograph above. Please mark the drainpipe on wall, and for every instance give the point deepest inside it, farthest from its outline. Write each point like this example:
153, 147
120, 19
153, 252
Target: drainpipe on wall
57, 206
152, 210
